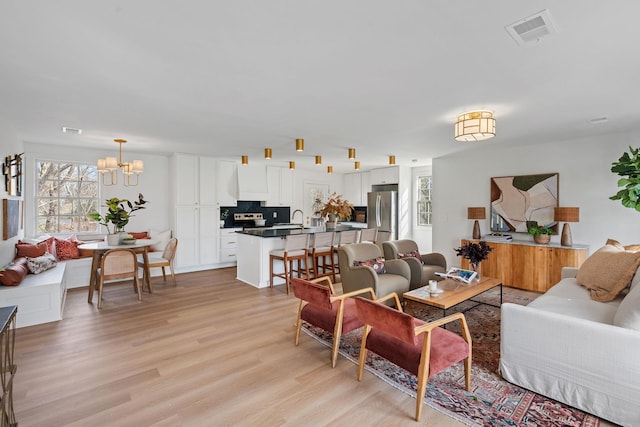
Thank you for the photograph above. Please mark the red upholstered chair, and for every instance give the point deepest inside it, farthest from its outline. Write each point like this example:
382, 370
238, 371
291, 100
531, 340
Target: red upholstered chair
320, 307
424, 349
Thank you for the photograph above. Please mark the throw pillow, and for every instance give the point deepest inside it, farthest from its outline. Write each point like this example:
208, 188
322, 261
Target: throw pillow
628, 313
13, 274
139, 235
413, 254
42, 263
376, 263
608, 271
163, 238
30, 249
67, 249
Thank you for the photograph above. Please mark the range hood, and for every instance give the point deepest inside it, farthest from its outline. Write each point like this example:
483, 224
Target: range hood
252, 183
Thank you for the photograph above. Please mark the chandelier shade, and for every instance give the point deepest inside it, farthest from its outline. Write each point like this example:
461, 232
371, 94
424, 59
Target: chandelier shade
475, 126
109, 166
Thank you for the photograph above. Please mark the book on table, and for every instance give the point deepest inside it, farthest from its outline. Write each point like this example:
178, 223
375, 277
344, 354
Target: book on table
466, 276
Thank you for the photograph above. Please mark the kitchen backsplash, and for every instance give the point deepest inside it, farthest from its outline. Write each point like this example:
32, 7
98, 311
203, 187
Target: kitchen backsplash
282, 214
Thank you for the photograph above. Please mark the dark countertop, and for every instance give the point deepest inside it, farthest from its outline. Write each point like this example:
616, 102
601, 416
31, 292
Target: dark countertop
278, 232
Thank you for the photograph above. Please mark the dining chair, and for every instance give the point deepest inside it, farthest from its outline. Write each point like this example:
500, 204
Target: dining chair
117, 264
296, 250
322, 255
424, 349
344, 238
368, 235
161, 261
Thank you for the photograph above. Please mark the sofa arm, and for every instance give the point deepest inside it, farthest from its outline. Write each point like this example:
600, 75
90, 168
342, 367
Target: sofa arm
435, 259
586, 364
398, 266
358, 278
569, 272
415, 271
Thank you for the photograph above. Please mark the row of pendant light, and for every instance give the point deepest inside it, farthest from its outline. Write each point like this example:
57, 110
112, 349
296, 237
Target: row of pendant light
300, 147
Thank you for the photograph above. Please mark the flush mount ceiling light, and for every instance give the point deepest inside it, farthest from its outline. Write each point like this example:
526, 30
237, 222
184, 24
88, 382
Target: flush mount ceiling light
111, 165
292, 165
356, 165
267, 153
318, 160
299, 144
329, 169
245, 160
475, 126
392, 160
352, 153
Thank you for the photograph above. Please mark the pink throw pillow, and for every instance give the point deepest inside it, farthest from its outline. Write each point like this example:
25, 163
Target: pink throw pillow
376, 263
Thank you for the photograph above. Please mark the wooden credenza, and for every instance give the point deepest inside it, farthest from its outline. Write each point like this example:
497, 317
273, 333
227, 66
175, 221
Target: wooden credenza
527, 265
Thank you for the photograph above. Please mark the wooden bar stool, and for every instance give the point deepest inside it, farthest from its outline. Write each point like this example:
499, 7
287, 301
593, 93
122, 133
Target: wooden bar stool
368, 235
344, 238
296, 248
322, 255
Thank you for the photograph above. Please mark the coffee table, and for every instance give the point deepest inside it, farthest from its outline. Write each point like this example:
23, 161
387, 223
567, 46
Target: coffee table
455, 292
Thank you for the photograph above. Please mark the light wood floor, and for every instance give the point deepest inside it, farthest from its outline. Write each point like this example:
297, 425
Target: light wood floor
211, 351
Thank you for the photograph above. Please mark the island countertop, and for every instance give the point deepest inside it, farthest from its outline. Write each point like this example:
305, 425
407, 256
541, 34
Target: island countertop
284, 232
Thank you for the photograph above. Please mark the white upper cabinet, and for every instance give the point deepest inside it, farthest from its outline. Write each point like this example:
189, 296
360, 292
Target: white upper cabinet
227, 182
280, 186
356, 187
186, 179
252, 182
207, 182
389, 175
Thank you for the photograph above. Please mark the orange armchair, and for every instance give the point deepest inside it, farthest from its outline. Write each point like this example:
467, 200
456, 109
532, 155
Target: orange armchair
320, 307
424, 349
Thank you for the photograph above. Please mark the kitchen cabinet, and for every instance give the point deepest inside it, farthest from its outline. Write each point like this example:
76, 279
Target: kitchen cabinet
280, 186
197, 233
228, 245
252, 182
388, 175
356, 186
527, 265
227, 183
195, 178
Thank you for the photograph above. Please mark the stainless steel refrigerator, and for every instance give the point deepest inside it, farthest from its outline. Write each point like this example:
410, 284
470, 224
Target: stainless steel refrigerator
382, 212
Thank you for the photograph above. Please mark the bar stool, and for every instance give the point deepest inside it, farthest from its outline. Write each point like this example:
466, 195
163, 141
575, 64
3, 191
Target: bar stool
296, 248
344, 238
368, 235
322, 250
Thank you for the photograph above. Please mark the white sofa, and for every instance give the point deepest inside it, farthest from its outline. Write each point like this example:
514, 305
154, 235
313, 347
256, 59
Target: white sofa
566, 346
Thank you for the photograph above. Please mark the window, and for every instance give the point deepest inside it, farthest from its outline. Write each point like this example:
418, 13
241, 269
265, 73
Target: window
66, 193
424, 200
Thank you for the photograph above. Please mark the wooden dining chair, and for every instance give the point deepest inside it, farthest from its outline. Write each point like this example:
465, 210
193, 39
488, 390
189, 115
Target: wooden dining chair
161, 261
117, 264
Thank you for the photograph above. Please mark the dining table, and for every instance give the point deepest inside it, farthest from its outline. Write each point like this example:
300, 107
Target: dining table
99, 248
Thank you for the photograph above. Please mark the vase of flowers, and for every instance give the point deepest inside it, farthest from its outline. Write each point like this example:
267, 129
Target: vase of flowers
475, 253
335, 209
119, 211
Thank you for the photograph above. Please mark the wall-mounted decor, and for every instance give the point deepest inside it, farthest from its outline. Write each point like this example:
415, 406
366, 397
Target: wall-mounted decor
315, 195
12, 171
10, 218
518, 199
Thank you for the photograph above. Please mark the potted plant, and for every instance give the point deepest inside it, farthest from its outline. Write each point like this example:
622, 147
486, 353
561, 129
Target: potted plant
541, 233
223, 217
628, 167
119, 211
336, 208
474, 252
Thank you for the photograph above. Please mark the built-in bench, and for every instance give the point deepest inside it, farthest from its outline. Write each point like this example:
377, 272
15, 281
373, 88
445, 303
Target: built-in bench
40, 297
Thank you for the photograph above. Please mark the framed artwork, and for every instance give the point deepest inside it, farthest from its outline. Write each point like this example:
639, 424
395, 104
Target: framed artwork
515, 200
12, 171
315, 196
10, 218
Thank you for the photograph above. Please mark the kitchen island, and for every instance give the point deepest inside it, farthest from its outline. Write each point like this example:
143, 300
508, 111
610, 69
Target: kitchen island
254, 246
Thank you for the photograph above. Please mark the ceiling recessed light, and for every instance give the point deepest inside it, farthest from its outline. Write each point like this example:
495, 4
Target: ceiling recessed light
67, 129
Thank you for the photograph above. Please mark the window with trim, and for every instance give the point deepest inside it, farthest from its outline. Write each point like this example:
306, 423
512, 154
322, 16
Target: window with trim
424, 208
65, 193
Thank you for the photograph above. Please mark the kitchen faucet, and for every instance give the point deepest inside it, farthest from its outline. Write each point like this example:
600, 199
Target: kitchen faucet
294, 214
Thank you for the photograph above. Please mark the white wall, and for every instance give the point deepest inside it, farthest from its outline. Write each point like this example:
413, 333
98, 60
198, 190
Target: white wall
154, 183
585, 180
10, 146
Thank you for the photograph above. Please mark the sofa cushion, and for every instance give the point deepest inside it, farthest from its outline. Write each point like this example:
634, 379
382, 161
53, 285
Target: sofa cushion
13, 274
628, 313
376, 263
42, 263
412, 254
162, 236
608, 271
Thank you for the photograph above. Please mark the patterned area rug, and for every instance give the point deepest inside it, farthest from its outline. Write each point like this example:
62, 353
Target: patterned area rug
492, 401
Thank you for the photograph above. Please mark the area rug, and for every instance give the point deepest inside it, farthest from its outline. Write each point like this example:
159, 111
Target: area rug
492, 401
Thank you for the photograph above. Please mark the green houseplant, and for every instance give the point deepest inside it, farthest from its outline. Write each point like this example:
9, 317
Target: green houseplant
119, 211
628, 167
541, 233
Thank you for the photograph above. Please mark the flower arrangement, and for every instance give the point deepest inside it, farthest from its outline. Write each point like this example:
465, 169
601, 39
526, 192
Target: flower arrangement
337, 206
474, 252
117, 214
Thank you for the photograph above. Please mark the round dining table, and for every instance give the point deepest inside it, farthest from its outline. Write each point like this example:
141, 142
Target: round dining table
99, 248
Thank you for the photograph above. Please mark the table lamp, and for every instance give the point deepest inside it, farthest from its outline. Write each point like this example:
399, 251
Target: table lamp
476, 213
566, 215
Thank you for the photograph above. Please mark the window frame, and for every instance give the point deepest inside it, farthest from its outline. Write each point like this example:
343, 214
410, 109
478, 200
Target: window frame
420, 200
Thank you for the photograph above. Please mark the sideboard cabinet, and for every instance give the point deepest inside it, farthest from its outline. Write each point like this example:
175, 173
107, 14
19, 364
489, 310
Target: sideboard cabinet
527, 265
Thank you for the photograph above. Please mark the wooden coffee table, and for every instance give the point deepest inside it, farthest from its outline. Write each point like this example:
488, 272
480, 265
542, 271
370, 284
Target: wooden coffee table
455, 292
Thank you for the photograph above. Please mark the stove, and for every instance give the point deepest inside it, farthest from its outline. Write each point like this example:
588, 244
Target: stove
248, 220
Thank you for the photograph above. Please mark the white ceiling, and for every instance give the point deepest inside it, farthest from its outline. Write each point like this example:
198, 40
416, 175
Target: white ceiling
228, 78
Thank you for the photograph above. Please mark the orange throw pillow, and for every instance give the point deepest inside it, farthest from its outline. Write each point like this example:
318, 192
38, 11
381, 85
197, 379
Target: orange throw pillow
30, 250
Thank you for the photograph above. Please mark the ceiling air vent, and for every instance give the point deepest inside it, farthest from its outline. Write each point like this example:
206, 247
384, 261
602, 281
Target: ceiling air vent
532, 28
67, 129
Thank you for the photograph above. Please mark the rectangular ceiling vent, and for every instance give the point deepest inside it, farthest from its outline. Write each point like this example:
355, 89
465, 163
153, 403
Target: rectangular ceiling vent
532, 28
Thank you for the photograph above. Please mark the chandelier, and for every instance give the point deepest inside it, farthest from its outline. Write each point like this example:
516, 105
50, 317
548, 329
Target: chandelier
109, 166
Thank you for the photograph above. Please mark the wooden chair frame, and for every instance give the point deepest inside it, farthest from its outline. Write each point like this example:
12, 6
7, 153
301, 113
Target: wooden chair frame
114, 276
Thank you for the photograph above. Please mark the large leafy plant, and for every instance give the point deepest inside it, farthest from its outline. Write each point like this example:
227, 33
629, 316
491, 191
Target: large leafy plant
117, 213
628, 167
337, 206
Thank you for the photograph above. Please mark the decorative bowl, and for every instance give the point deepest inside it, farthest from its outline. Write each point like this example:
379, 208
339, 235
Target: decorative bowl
128, 241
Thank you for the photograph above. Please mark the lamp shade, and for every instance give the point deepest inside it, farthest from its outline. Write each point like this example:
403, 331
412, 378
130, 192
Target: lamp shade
476, 213
566, 214
475, 126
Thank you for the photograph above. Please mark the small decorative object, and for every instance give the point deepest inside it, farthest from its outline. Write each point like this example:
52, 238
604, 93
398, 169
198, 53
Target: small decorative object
474, 252
541, 233
12, 171
336, 208
627, 167
118, 215
567, 215
128, 240
223, 217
